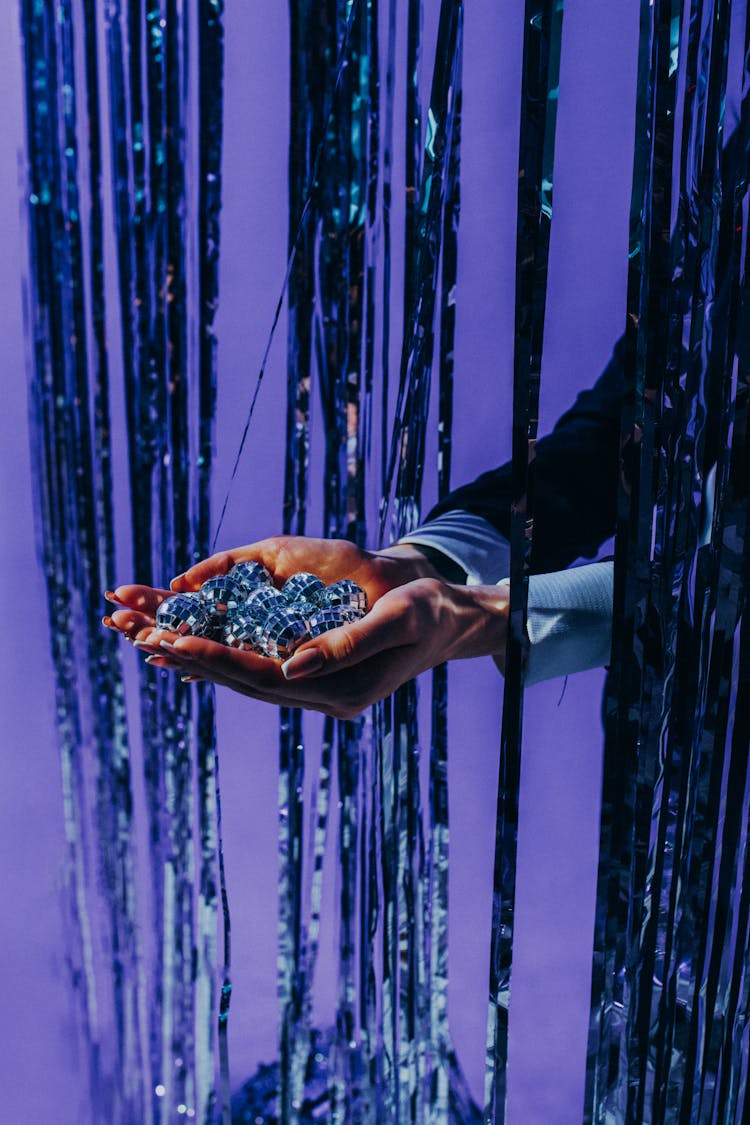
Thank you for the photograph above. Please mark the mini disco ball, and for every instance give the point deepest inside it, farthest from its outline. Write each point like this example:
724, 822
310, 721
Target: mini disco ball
327, 618
183, 614
303, 587
251, 575
345, 595
221, 595
282, 632
243, 631
263, 600
304, 608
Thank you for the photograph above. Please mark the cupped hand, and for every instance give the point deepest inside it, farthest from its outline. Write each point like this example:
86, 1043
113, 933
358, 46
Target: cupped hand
410, 629
376, 572
135, 617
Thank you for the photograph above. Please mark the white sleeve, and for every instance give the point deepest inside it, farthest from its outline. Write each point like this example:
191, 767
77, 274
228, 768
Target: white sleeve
569, 622
470, 542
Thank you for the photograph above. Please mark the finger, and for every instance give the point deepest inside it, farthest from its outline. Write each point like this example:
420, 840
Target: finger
131, 623
145, 599
194, 577
237, 664
342, 695
264, 552
157, 661
387, 626
196, 673
245, 672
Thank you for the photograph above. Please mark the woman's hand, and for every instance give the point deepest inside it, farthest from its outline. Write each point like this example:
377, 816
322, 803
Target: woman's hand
416, 621
376, 572
410, 629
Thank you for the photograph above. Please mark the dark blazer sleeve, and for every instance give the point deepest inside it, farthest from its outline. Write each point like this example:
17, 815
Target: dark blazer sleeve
575, 484
577, 465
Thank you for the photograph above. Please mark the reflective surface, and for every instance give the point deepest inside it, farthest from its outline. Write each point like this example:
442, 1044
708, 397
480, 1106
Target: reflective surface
672, 915
147, 1006
667, 1040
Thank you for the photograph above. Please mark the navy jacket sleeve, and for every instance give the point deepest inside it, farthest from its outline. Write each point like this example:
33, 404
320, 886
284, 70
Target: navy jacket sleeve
576, 472
577, 465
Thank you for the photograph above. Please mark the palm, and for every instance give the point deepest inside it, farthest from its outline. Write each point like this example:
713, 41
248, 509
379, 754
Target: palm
330, 559
137, 617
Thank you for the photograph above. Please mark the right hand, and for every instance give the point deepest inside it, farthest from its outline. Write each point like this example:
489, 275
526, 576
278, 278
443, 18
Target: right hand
377, 572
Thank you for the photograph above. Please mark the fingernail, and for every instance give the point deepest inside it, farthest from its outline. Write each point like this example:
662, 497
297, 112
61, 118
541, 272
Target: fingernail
112, 597
192, 679
145, 645
175, 580
303, 664
174, 649
108, 622
163, 662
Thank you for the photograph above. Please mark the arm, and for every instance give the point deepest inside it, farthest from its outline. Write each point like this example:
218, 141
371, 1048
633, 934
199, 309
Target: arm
575, 487
421, 617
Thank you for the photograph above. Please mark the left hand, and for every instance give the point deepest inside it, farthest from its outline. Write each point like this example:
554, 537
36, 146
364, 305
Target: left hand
341, 673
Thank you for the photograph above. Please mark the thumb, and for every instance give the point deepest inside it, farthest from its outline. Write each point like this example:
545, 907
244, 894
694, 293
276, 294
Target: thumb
347, 645
200, 572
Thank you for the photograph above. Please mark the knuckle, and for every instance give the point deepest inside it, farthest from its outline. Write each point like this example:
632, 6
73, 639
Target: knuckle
409, 616
344, 648
431, 587
280, 547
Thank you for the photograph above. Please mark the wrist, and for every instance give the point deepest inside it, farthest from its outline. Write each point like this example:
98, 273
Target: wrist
482, 621
405, 562
429, 561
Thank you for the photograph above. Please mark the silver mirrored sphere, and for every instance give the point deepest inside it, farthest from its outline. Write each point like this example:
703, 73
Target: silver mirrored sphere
304, 609
327, 618
303, 587
221, 595
262, 600
345, 595
183, 614
243, 631
282, 632
251, 575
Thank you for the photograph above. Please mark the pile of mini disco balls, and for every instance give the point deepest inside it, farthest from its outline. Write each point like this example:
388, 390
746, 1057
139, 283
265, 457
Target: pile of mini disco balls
243, 609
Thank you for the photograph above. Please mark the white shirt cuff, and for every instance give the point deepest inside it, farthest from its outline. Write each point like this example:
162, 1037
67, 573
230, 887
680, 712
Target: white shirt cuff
470, 542
569, 622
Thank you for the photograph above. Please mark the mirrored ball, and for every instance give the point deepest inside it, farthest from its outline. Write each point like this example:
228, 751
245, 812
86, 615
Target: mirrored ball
304, 609
263, 600
243, 631
327, 618
183, 614
303, 587
345, 595
220, 595
251, 575
282, 632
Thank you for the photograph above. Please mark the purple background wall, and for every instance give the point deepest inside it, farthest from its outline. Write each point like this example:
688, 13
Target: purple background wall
41, 1078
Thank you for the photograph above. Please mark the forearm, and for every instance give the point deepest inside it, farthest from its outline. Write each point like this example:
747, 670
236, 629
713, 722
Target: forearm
569, 624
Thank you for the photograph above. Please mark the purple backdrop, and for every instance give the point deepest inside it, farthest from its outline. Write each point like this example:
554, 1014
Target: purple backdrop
40, 1074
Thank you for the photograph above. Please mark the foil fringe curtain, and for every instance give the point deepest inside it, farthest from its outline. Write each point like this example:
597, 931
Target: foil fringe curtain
668, 1034
149, 1013
669, 1001
385, 1062
539, 88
